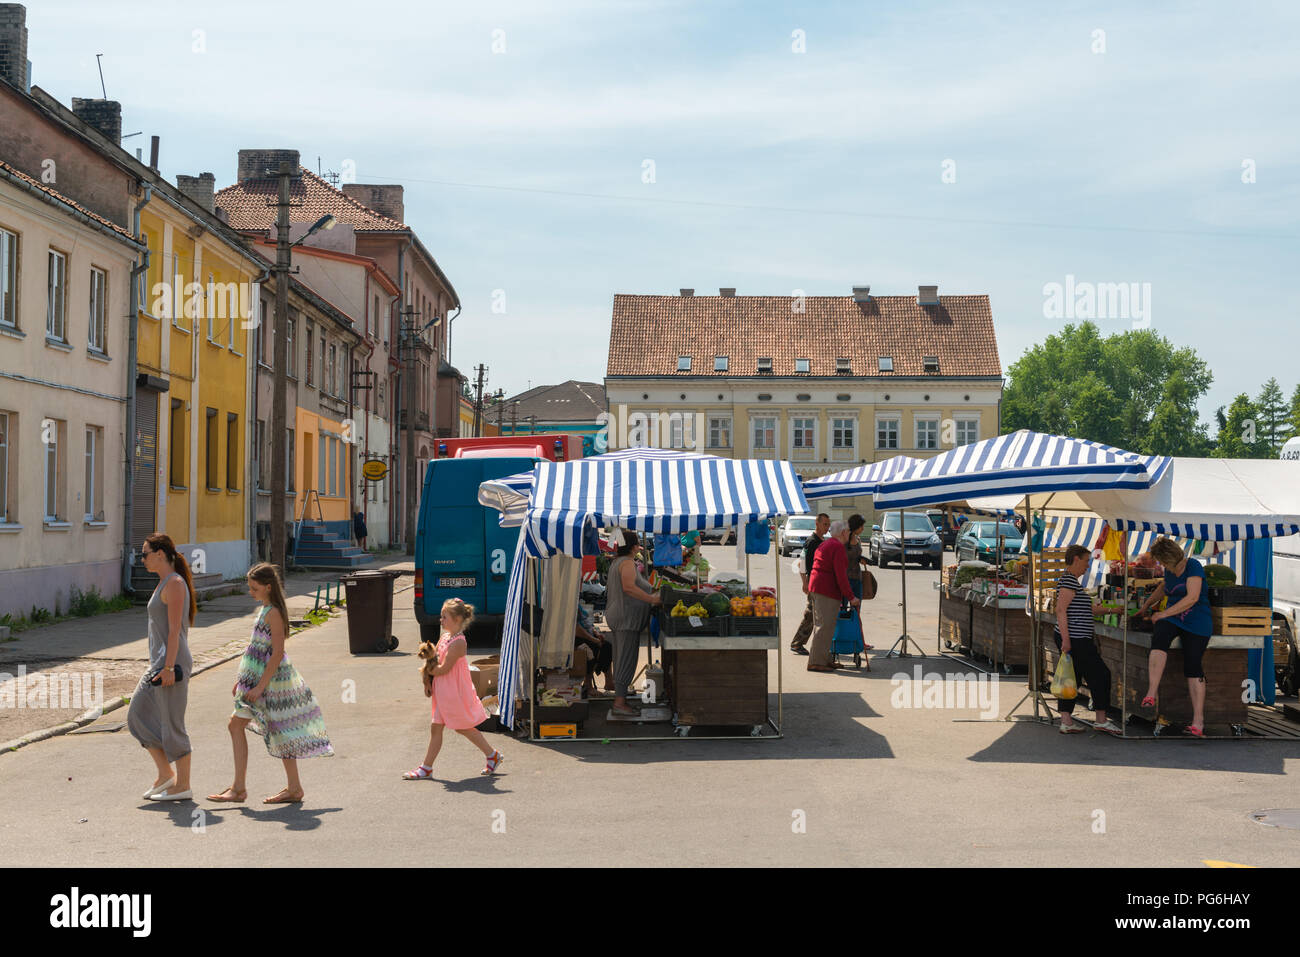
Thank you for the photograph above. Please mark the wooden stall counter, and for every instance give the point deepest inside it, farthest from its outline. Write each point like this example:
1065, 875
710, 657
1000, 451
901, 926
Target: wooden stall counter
1224, 664
717, 681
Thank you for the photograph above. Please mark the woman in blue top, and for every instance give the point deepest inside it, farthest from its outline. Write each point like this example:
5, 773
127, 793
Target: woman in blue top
1186, 617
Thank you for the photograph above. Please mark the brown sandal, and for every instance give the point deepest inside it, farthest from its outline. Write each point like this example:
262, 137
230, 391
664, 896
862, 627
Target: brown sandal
276, 799
237, 797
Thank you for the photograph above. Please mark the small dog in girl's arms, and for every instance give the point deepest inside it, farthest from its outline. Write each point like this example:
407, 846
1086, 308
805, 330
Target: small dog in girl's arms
429, 653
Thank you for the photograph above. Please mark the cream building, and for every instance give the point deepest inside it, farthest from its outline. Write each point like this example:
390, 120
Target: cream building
64, 301
825, 382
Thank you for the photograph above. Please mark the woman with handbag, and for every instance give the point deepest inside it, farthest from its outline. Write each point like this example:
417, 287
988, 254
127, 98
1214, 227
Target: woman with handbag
156, 717
856, 573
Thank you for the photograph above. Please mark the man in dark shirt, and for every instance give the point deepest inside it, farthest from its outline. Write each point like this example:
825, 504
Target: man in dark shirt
809, 550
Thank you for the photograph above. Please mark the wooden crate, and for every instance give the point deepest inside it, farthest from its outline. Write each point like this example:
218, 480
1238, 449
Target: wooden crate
717, 687
1225, 670
1002, 636
954, 621
1049, 565
1242, 620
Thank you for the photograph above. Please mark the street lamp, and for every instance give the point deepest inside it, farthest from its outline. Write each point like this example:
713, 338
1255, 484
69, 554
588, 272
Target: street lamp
326, 222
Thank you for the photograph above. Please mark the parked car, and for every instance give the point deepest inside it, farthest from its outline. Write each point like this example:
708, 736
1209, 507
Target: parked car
718, 536
796, 531
918, 537
948, 533
978, 541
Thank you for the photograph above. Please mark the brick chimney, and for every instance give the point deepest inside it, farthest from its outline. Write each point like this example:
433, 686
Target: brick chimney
382, 199
104, 115
13, 45
265, 164
199, 188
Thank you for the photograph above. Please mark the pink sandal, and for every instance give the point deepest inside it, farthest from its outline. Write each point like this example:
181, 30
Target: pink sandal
493, 762
1194, 731
1148, 702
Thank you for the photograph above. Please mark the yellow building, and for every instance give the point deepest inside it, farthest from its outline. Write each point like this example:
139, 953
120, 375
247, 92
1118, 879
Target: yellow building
825, 382
195, 379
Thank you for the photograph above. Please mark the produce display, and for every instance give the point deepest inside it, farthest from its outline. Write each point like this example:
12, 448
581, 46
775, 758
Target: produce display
758, 605
682, 610
1220, 576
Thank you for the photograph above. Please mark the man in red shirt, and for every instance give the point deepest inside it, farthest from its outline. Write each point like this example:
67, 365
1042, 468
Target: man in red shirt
829, 587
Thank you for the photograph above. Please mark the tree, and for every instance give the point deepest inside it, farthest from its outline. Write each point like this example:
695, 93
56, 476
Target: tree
1293, 417
1272, 410
1241, 437
1134, 390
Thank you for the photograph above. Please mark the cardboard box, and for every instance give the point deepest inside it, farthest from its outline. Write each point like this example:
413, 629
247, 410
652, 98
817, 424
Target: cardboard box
483, 672
581, 655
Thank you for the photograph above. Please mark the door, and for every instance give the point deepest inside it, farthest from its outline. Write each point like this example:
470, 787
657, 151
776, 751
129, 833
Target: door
307, 461
144, 499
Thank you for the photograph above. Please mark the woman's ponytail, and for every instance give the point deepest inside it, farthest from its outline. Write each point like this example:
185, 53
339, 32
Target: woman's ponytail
159, 542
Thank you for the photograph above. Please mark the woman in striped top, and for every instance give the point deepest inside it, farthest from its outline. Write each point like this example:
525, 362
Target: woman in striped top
1074, 611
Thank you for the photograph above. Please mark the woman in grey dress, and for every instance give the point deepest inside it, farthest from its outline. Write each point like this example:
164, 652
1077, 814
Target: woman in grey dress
627, 612
157, 714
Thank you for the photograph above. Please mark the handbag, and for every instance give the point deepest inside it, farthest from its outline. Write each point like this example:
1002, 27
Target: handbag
868, 585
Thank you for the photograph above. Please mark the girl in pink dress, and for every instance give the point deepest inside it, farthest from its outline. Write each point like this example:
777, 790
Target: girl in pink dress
455, 704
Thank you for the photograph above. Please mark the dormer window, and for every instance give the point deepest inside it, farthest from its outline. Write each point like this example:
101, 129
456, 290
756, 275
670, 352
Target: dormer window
801, 365
683, 363
843, 366
931, 363
886, 363
719, 363
765, 364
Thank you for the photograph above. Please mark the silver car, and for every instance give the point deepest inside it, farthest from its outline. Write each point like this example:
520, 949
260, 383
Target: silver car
918, 537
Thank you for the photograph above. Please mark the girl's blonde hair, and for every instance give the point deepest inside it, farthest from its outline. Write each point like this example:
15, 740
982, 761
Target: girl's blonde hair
1167, 552
266, 574
460, 609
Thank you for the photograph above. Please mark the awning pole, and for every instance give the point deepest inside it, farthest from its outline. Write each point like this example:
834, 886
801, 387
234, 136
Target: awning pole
776, 557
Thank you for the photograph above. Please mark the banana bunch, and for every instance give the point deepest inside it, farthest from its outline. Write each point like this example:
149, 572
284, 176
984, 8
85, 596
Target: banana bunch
698, 610
680, 610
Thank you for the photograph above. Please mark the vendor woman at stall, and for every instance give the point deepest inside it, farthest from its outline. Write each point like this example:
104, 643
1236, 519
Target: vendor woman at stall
627, 612
1186, 617
1074, 637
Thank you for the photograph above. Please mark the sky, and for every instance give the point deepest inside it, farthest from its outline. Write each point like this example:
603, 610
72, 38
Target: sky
555, 154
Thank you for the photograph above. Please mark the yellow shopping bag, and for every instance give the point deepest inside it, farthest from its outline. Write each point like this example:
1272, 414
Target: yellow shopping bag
1064, 685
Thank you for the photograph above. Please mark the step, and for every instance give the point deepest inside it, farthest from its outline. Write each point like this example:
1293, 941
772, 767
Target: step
354, 561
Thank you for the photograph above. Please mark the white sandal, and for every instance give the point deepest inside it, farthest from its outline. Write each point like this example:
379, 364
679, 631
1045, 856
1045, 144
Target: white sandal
493, 762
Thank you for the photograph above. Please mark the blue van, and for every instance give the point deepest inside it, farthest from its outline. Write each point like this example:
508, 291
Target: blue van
461, 550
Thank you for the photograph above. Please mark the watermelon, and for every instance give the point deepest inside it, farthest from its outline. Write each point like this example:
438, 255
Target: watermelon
718, 605
1220, 576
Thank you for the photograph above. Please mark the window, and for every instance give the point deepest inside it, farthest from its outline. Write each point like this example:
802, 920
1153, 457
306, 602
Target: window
843, 366
842, 433
98, 309
213, 450
886, 433
290, 362
681, 429
968, 431
209, 308
765, 364
333, 457
331, 372
927, 433
4, 467
8, 279
310, 334
324, 375
321, 450
261, 454
930, 363
802, 365
886, 364
720, 432
764, 432
94, 474
54, 480
57, 288
263, 345
176, 445
288, 462
803, 433
683, 363
719, 363
375, 320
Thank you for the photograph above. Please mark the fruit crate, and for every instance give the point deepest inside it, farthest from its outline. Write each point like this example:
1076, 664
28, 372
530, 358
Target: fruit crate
1239, 596
716, 627
1242, 621
755, 626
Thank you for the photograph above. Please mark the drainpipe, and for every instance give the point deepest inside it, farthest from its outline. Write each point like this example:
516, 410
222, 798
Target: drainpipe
250, 498
393, 431
132, 348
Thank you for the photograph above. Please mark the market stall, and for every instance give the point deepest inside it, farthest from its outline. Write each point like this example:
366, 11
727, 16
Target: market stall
717, 668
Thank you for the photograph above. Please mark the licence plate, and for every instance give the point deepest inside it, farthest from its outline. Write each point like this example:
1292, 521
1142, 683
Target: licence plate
457, 582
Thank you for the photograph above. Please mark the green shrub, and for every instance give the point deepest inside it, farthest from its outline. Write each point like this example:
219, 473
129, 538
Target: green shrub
40, 615
83, 604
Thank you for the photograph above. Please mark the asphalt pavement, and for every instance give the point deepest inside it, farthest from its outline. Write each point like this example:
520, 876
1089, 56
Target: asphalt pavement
864, 775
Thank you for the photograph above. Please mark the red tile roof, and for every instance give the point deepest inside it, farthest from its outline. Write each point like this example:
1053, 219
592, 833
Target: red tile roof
648, 333
72, 204
246, 205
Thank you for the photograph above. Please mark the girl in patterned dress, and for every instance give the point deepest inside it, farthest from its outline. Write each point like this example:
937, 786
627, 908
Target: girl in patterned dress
272, 697
455, 704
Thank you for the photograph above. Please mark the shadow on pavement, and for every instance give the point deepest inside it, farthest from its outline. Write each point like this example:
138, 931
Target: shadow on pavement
294, 817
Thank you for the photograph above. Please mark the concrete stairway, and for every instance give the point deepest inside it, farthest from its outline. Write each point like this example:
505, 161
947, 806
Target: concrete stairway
318, 548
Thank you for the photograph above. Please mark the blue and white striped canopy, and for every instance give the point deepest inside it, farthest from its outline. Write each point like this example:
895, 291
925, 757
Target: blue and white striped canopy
862, 480
1021, 462
510, 495
1086, 530
663, 495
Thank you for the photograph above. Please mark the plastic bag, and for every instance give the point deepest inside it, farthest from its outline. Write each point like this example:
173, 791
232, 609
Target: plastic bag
1064, 685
